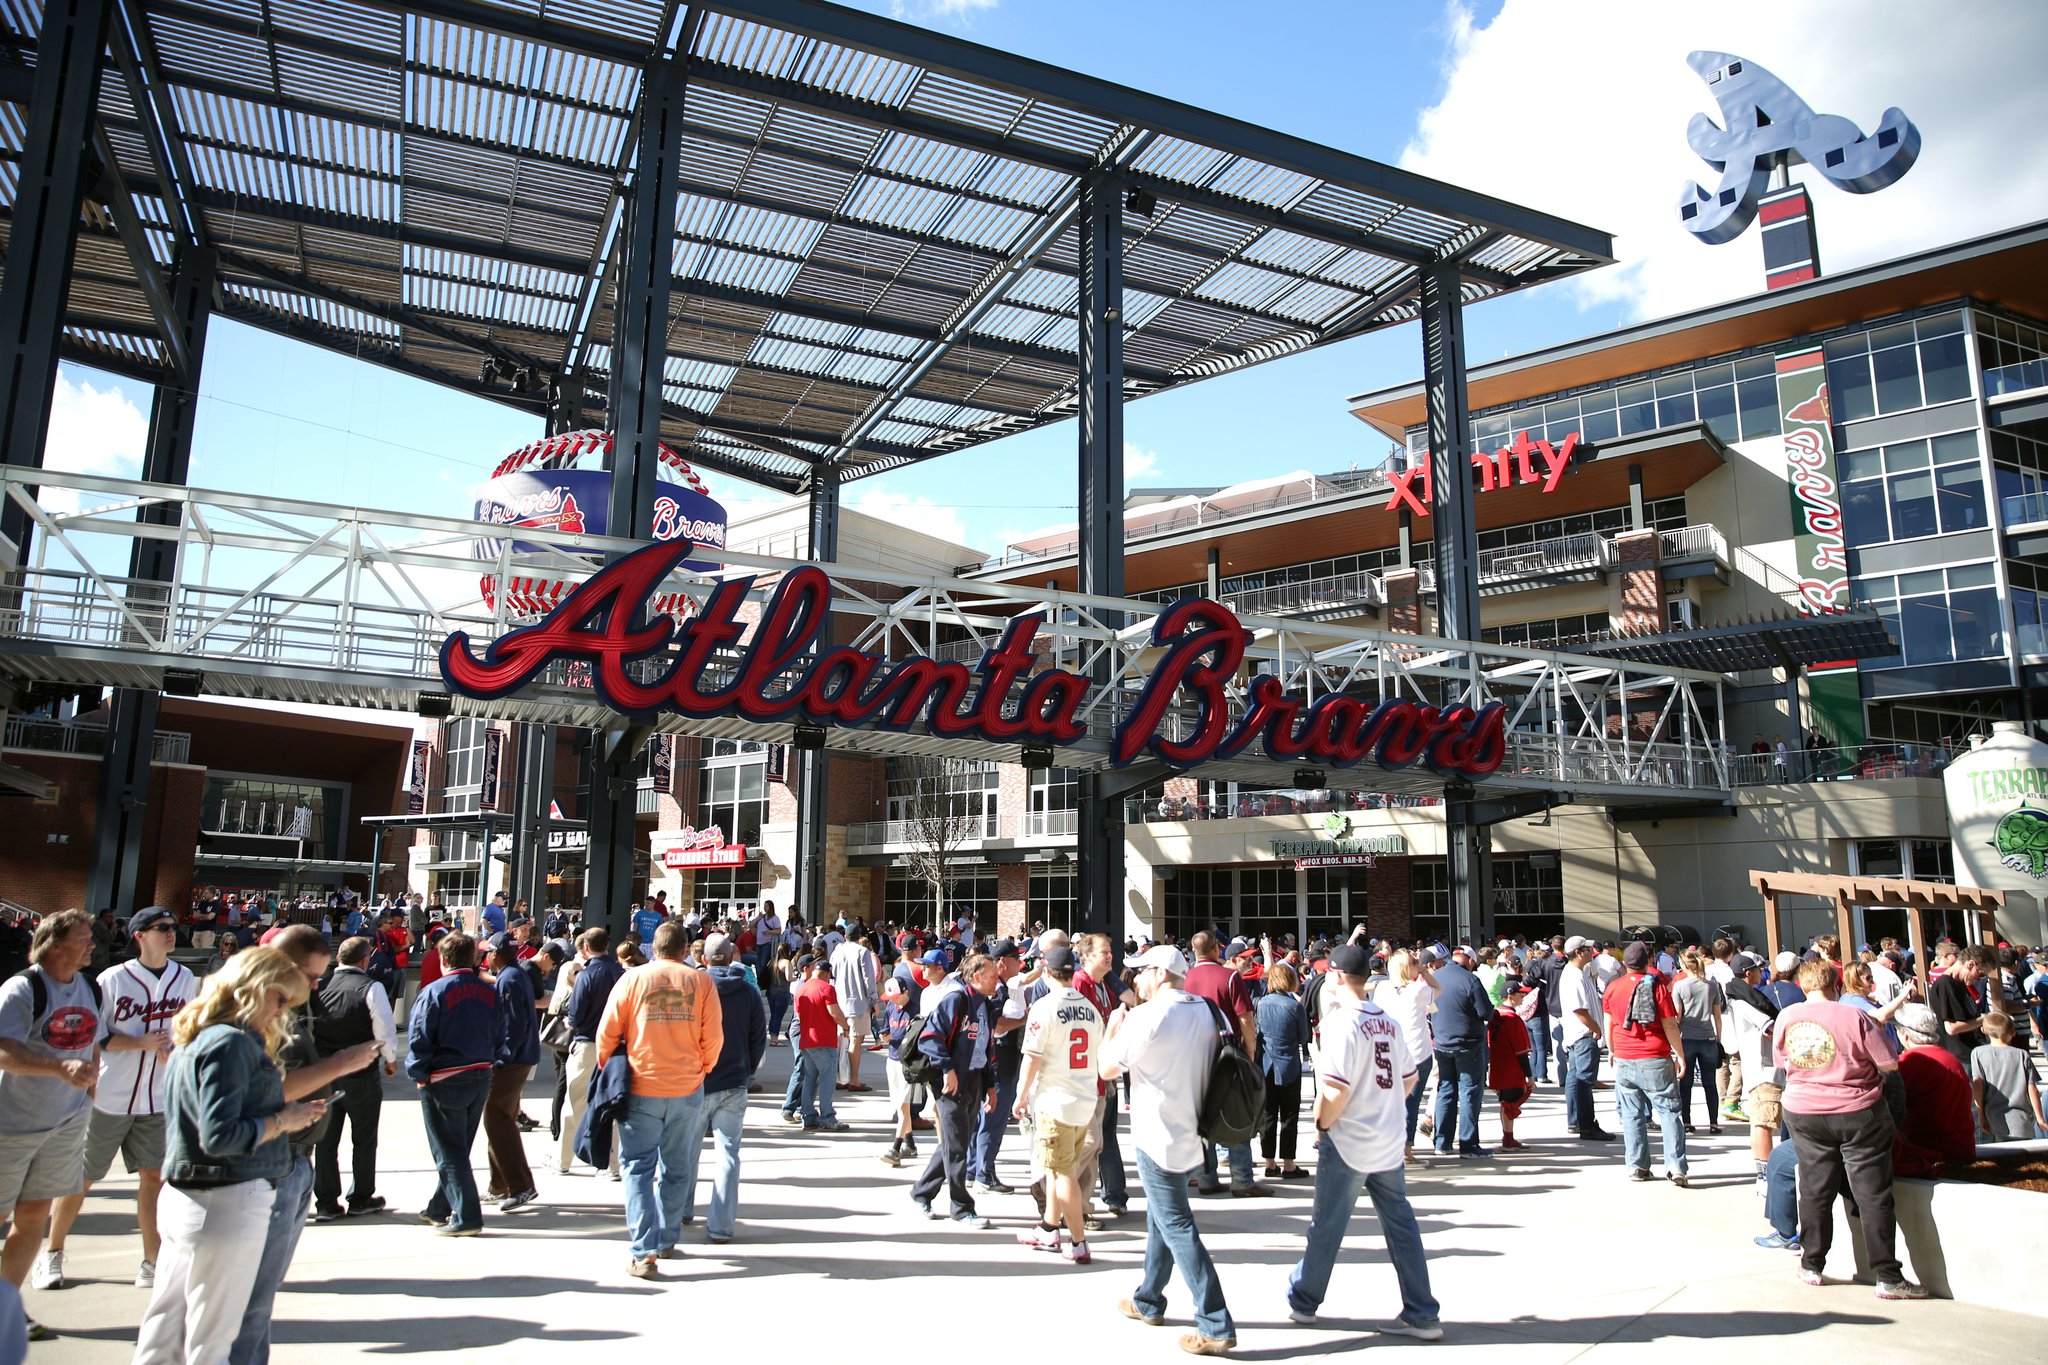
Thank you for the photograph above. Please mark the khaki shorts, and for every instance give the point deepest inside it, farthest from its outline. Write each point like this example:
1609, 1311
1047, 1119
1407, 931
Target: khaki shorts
45, 1165
1059, 1145
1761, 1104
139, 1138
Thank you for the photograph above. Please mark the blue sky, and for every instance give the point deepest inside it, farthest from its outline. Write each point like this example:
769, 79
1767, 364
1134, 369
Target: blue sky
1575, 107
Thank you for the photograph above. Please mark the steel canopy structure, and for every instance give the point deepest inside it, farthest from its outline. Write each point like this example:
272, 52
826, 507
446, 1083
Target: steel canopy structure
877, 236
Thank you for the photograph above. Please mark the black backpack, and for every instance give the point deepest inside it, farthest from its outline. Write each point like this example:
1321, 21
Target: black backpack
1236, 1096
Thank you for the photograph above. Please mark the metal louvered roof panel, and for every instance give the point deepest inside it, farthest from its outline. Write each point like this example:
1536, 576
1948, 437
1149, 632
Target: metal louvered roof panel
861, 267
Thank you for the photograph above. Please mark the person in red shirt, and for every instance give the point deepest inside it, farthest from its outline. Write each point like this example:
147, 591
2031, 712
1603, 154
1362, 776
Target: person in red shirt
1507, 1061
819, 1025
1939, 1125
1642, 1034
1209, 979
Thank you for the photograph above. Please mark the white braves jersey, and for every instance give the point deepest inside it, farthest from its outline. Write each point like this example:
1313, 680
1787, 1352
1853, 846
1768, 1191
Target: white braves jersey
1064, 1032
132, 1003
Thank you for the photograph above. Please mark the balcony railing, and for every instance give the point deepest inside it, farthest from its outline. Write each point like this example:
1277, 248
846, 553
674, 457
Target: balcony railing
1261, 805
2025, 509
1690, 544
1051, 824
1871, 762
1337, 592
62, 737
2021, 378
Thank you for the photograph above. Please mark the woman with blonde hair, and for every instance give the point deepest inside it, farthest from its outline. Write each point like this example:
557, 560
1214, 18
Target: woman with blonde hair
1700, 1004
1409, 996
225, 1125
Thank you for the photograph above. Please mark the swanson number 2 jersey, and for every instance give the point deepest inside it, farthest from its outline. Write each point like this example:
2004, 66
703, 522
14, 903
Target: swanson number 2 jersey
1064, 1032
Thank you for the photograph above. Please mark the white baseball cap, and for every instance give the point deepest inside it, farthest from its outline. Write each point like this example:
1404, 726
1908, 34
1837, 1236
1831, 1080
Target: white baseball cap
1164, 956
1573, 944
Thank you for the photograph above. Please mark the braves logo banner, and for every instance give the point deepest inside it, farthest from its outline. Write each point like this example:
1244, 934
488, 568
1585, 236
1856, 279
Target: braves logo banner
782, 675
494, 754
1820, 552
416, 777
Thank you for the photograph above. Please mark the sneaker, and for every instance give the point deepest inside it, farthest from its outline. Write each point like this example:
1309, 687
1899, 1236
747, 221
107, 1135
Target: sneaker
1213, 1187
1111, 1212
450, 1230
374, 1204
1137, 1314
1734, 1111
968, 1218
1640, 1174
145, 1275
894, 1156
1595, 1135
48, 1272
1443, 1149
329, 1215
38, 1332
1677, 1178
671, 1253
924, 1206
997, 1187
1301, 1315
792, 1119
643, 1268
1195, 1344
1253, 1191
432, 1221
1475, 1152
715, 1239
1039, 1238
1419, 1331
1773, 1242
835, 1126
1810, 1276
1902, 1289
519, 1200
1076, 1253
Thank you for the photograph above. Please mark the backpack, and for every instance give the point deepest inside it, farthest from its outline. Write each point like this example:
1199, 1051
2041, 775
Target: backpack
39, 992
1236, 1095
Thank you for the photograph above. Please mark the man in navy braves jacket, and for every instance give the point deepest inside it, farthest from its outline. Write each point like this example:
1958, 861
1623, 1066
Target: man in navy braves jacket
959, 1028
453, 1037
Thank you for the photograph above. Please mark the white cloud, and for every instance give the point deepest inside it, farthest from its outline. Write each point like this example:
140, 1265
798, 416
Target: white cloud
925, 11
915, 513
92, 431
1139, 463
1580, 110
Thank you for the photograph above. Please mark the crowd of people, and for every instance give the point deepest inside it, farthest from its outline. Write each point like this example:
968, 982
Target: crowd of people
228, 1095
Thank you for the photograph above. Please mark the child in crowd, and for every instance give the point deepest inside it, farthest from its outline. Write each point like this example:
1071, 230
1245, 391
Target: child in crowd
1508, 1070
2002, 1082
896, 1022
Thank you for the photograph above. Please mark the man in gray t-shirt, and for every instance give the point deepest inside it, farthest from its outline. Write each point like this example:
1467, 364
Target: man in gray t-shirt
48, 1063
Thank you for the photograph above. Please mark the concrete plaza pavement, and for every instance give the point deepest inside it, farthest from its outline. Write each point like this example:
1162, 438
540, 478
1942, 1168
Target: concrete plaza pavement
1541, 1256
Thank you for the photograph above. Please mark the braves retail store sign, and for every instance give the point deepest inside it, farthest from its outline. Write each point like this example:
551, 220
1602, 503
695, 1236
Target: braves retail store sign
783, 675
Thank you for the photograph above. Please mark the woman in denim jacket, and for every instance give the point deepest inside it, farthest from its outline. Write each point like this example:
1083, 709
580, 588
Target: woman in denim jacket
1283, 1040
224, 1152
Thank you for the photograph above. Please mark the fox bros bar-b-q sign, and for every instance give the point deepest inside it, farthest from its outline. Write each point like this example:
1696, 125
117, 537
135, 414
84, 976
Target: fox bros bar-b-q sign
779, 678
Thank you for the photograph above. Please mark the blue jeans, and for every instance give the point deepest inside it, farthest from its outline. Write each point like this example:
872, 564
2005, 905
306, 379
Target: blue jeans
1110, 1179
778, 1006
1241, 1171
656, 1142
1422, 1069
452, 1111
1171, 1241
988, 1134
1701, 1056
1582, 1064
1539, 1041
819, 1068
280, 1243
1460, 1082
725, 1112
1337, 1191
1640, 1085
1781, 1191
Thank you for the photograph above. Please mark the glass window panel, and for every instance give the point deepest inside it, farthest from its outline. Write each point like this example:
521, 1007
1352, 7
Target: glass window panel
1959, 494
1897, 373
1675, 410
1756, 367
1864, 519
1898, 334
1906, 455
753, 781
1638, 408
1888, 612
1925, 623
1717, 410
1602, 424
1973, 618
1757, 399
1912, 499
1856, 343
1945, 367
1862, 464
1956, 445
1940, 326
1918, 584
1851, 394
1970, 576
1708, 376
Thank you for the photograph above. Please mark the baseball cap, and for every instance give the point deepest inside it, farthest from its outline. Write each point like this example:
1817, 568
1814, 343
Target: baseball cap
1237, 947
1787, 961
1513, 985
1003, 947
501, 943
149, 918
558, 949
1164, 956
934, 958
892, 989
1430, 955
1748, 962
1636, 956
717, 945
1350, 960
1059, 958
1575, 943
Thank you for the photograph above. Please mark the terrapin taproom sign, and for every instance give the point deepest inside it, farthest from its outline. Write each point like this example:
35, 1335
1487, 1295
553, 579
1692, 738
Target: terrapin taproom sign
1820, 552
783, 675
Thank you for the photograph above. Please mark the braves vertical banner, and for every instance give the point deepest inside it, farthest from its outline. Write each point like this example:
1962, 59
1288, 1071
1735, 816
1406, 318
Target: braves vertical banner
416, 777
661, 763
778, 762
1820, 554
494, 752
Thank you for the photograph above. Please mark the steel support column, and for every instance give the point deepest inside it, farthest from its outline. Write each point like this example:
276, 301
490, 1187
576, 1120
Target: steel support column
532, 791
114, 879
55, 173
1100, 846
812, 764
639, 351
1454, 528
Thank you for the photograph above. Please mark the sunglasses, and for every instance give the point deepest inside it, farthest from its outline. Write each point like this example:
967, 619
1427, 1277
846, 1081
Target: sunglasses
165, 928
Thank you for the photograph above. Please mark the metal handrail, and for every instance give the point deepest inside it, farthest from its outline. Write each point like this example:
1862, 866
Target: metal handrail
2025, 509
1869, 762
1265, 805
1692, 542
1332, 592
2024, 377
67, 737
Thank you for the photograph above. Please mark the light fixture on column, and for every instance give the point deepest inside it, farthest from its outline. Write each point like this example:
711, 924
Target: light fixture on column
434, 705
1310, 779
1035, 757
807, 737
1140, 202
183, 682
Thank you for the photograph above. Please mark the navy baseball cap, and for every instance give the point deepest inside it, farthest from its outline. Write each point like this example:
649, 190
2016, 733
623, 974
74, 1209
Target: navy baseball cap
143, 920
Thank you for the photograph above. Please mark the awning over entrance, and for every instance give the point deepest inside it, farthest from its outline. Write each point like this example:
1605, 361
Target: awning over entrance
1899, 893
1740, 646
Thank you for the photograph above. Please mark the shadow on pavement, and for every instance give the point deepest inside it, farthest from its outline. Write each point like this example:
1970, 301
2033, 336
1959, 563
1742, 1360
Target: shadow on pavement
1360, 1335
416, 1336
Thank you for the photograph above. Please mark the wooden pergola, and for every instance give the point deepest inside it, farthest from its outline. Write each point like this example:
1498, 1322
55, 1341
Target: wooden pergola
1914, 897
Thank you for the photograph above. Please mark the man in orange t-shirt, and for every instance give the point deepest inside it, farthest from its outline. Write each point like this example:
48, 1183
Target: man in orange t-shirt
666, 1017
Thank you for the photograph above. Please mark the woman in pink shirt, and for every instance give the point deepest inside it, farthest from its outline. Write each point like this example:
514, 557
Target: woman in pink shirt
1834, 1060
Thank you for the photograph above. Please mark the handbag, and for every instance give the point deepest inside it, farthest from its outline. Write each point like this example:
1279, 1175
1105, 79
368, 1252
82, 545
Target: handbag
556, 1033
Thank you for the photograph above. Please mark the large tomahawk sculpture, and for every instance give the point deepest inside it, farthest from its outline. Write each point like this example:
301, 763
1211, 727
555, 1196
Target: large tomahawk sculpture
1765, 121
